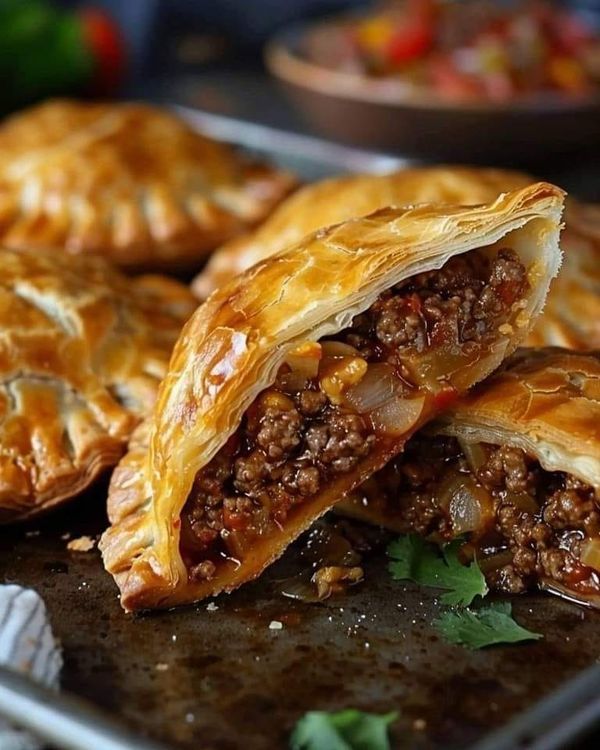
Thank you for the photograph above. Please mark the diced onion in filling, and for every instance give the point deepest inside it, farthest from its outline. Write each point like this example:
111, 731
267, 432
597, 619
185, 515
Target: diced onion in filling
304, 366
338, 349
398, 415
495, 561
523, 501
237, 542
463, 377
430, 368
451, 483
474, 453
590, 554
377, 386
467, 503
465, 508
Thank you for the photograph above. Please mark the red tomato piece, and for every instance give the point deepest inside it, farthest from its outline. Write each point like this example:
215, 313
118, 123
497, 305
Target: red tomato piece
106, 43
410, 42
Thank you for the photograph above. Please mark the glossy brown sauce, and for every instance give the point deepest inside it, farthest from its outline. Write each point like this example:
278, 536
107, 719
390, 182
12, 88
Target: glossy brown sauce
525, 525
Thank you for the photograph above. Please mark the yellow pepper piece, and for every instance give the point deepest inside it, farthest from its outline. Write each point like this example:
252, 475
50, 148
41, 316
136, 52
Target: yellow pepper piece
566, 73
375, 33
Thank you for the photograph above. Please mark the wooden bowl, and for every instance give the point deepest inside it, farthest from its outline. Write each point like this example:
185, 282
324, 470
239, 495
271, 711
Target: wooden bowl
387, 114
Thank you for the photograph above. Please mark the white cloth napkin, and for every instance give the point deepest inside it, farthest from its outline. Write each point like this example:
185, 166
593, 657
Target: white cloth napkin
27, 645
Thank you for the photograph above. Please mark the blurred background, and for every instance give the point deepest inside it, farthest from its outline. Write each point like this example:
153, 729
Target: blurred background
508, 83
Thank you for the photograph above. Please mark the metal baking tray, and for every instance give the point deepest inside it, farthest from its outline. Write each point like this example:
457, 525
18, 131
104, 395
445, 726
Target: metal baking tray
221, 679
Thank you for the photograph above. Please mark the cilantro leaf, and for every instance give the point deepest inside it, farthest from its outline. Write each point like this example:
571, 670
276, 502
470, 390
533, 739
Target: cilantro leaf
343, 730
484, 626
417, 560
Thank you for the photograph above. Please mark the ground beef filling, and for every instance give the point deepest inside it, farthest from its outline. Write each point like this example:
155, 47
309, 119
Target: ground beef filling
285, 450
461, 303
532, 525
295, 439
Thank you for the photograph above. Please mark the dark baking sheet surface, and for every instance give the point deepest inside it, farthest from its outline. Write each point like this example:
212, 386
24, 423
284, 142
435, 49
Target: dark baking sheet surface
224, 680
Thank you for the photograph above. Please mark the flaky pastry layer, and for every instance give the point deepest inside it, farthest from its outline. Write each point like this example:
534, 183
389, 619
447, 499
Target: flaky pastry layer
340, 198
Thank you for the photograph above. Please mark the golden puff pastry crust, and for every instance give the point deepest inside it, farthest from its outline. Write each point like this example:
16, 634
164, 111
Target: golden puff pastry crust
544, 401
571, 317
128, 181
340, 198
233, 347
82, 351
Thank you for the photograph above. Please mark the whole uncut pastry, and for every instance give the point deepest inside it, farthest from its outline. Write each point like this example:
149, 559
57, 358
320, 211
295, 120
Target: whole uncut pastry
571, 317
297, 381
341, 198
132, 182
82, 351
514, 468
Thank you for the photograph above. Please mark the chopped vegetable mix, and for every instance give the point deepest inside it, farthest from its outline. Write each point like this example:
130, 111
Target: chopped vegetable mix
474, 50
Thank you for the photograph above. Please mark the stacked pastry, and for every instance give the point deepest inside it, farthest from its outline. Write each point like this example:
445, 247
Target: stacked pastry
356, 353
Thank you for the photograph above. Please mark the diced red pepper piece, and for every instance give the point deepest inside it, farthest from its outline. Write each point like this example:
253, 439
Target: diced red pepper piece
413, 302
445, 398
234, 521
578, 574
410, 42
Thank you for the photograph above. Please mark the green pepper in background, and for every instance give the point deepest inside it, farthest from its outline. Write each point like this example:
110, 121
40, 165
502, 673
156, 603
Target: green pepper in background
47, 51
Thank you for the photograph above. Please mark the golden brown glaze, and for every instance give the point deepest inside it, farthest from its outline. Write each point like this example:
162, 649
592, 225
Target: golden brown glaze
233, 346
341, 198
571, 317
128, 181
545, 401
82, 351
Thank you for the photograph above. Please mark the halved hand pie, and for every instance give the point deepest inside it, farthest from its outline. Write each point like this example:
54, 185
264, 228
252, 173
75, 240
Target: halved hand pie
571, 316
82, 351
294, 383
515, 468
127, 181
340, 198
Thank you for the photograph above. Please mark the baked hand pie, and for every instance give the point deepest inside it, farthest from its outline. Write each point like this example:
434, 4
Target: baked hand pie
294, 383
341, 198
82, 351
515, 468
571, 317
128, 181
